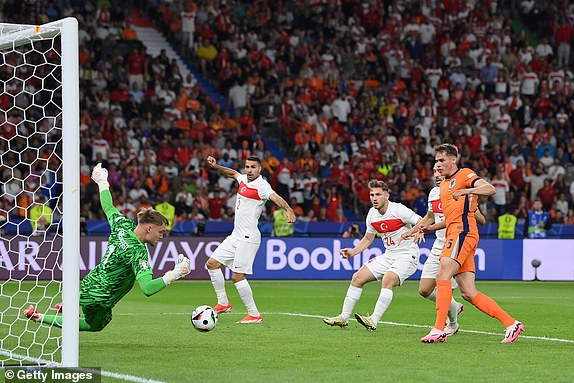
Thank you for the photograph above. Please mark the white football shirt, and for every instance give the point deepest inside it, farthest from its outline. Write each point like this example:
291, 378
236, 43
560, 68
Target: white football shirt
435, 206
392, 225
251, 198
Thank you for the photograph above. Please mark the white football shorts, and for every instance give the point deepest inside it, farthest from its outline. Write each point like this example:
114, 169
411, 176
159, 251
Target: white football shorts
430, 268
237, 255
403, 263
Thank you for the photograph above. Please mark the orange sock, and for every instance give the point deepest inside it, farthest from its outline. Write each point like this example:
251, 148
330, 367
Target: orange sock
488, 306
443, 298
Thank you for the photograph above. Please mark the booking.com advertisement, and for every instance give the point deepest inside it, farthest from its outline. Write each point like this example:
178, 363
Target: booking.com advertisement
289, 258
319, 258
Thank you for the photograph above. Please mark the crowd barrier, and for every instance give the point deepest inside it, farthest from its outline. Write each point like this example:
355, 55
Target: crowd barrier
290, 258
308, 229
18, 226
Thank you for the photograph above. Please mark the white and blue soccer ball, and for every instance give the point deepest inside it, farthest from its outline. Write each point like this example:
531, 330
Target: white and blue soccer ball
204, 318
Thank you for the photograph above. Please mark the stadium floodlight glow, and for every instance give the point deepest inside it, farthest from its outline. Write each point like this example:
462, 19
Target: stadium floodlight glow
39, 161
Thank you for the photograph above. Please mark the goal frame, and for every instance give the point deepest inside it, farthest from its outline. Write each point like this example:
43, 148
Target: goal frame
71, 193
68, 30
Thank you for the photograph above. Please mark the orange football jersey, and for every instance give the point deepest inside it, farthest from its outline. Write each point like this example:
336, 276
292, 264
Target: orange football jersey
459, 215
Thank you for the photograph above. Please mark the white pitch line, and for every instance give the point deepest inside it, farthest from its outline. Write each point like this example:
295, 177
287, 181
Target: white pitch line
136, 379
387, 323
129, 378
425, 326
13, 355
51, 364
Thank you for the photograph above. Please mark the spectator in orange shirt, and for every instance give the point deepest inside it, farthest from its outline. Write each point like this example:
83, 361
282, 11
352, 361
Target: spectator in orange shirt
307, 162
334, 201
297, 209
270, 163
128, 33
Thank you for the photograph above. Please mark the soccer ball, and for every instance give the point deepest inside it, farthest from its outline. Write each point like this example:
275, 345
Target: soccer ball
203, 318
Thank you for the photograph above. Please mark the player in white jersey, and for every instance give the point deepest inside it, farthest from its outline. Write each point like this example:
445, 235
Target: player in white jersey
399, 261
433, 219
238, 250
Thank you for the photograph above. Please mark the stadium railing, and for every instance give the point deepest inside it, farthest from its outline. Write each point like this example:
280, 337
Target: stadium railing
19, 226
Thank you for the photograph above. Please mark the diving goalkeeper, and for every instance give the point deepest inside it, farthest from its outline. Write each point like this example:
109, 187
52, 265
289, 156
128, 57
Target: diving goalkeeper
125, 261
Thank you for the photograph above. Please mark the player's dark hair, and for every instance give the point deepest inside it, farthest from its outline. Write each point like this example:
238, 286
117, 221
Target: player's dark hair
376, 184
448, 149
254, 158
150, 215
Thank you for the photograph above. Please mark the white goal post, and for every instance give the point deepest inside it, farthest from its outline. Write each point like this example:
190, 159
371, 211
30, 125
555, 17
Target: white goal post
39, 141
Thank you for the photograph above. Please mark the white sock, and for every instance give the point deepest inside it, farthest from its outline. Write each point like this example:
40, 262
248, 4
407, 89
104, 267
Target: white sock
246, 296
385, 299
218, 282
453, 311
351, 299
432, 296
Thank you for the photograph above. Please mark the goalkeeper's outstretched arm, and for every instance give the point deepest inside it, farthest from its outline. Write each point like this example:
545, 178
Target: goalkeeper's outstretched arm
108, 205
100, 176
150, 286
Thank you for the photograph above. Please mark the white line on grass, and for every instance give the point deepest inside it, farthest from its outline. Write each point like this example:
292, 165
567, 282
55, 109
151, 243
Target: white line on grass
109, 374
387, 323
425, 326
129, 378
15, 356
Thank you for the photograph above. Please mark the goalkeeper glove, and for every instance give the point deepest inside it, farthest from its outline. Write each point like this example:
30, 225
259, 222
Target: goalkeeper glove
100, 176
181, 269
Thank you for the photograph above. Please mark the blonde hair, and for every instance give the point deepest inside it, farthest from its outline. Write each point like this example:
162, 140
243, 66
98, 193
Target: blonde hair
150, 215
376, 184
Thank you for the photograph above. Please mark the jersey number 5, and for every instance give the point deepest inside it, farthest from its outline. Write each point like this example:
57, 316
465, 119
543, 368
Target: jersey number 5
449, 243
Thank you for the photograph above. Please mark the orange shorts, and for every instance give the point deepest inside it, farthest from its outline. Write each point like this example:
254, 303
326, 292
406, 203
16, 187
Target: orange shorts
461, 247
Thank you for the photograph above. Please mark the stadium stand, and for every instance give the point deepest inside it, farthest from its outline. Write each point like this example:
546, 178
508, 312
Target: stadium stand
330, 95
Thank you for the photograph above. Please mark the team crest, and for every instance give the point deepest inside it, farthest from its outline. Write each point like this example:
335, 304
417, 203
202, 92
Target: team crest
144, 265
452, 183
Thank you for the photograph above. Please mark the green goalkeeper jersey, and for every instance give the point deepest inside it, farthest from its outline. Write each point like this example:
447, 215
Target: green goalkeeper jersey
125, 261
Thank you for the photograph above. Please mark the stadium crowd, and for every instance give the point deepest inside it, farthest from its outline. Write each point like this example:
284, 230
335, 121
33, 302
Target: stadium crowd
348, 90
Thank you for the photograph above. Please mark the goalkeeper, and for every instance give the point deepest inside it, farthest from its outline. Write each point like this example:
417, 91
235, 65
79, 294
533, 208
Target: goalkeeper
125, 261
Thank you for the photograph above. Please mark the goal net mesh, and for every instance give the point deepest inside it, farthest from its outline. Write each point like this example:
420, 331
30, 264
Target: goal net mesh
30, 191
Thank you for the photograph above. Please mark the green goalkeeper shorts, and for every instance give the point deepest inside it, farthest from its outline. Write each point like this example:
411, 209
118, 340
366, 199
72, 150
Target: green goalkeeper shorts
97, 316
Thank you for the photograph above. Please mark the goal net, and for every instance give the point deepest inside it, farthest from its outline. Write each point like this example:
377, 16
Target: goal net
39, 179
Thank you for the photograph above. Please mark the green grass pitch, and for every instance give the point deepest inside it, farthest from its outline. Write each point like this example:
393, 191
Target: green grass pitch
152, 338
